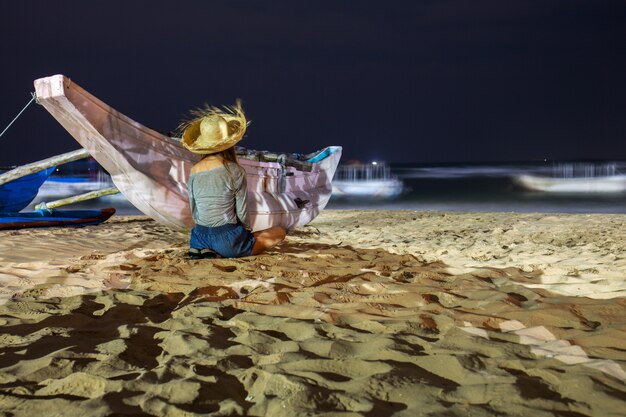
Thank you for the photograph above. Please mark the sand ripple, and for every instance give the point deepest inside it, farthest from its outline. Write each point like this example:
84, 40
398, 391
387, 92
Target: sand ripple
364, 321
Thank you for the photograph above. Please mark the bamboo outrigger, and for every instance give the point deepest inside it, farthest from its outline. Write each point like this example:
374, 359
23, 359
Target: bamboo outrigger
34, 167
77, 198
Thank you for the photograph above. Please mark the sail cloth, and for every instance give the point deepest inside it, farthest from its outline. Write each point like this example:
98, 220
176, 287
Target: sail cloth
151, 169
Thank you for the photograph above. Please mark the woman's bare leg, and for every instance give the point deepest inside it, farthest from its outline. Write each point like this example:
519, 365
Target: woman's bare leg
267, 238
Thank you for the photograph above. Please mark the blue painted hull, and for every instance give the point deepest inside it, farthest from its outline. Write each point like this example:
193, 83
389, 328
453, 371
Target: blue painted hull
54, 218
17, 194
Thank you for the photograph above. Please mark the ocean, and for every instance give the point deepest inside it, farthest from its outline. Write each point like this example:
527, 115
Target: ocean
490, 187
487, 187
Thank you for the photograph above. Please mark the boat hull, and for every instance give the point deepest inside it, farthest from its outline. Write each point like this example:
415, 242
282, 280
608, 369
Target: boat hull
55, 218
151, 170
607, 184
18, 193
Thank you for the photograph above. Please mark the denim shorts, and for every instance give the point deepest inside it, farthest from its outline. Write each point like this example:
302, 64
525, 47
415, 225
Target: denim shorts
229, 241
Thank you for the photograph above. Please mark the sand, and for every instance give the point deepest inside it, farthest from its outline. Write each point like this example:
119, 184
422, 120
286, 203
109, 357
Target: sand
368, 313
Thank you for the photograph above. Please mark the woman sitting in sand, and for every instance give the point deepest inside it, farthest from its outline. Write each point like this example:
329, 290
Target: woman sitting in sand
218, 190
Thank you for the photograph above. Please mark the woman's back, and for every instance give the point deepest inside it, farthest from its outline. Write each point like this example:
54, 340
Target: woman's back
217, 194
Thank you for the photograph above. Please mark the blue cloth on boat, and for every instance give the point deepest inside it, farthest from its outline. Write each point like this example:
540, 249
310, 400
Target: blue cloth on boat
229, 240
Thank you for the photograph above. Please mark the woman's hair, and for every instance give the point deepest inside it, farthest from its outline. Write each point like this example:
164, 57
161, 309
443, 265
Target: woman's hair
228, 155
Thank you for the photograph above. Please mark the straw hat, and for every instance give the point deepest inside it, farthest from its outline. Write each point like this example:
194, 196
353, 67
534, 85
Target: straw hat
213, 130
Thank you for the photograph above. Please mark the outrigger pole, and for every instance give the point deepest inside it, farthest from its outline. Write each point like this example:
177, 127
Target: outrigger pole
77, 198
31, 168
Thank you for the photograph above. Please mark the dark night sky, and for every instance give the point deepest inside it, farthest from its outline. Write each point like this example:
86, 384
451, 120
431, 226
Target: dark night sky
401, 81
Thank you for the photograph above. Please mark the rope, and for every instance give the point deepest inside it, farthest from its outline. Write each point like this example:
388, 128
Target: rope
34, 98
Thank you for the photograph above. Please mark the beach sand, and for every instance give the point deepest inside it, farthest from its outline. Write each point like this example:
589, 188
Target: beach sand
370, 313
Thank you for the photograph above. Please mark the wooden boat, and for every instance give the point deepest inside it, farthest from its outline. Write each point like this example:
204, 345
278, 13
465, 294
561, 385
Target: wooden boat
19, 187
45, 218
18, 193
151, 169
